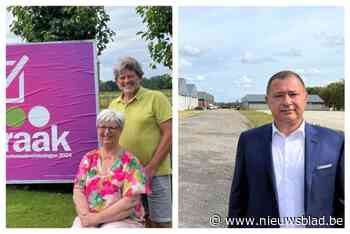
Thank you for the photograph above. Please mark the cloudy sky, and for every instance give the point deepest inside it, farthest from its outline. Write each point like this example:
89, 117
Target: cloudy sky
232, 51
126, 23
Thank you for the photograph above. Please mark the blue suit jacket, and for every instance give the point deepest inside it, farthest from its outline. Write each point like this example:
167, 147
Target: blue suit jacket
253, 191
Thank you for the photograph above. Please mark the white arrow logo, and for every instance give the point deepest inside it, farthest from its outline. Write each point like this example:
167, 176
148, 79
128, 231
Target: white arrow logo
13, 74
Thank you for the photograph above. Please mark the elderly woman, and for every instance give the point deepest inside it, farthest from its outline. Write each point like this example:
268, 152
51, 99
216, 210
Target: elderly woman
109, 181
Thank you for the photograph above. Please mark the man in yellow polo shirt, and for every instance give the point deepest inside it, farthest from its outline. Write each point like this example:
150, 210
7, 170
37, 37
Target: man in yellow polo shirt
147, 134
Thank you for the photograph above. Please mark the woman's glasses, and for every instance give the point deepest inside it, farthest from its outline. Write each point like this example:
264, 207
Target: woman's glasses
103, 128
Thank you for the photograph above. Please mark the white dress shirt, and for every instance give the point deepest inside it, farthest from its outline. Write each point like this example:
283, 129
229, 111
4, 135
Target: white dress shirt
288, 154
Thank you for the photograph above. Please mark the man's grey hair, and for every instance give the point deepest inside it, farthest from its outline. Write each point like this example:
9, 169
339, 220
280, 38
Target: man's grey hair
281, 76
108, 115
127, 63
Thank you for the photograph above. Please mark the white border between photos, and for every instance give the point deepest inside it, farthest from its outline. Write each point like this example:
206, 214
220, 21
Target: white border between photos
2, 118
347, 109
176, 4
175, 141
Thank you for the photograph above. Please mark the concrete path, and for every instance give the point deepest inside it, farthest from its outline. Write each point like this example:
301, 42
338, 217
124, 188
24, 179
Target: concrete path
207, 148
329, 119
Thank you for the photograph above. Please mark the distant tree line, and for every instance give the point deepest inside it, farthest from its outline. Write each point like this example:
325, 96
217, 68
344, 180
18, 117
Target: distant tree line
155, 82
332, 94
227, 104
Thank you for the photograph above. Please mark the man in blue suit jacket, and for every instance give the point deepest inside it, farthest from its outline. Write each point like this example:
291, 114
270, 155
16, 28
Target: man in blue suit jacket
288, 173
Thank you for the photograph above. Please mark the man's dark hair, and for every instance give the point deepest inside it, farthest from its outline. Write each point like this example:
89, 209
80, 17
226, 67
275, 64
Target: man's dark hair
281, 76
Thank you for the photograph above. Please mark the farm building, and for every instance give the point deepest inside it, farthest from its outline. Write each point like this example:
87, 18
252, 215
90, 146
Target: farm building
254, 102
315, 103
257, 102
188, 97
204, 99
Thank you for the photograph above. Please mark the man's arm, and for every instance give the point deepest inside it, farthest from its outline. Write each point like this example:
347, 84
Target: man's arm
238, 195
162, 149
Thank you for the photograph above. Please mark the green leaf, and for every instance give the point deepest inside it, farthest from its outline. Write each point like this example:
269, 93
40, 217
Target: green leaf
49, 23
158, 35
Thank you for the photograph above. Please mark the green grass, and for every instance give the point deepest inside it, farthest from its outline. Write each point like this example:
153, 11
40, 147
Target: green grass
106, 97
39, 206
256, 118
188, 113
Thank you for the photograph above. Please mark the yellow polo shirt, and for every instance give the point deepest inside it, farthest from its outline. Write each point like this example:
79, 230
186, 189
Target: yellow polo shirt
141, 132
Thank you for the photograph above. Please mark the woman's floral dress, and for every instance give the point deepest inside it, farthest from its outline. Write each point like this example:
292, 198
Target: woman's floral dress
125, 178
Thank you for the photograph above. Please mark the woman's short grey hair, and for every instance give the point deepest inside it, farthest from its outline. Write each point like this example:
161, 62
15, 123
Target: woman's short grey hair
127, 63
108, 115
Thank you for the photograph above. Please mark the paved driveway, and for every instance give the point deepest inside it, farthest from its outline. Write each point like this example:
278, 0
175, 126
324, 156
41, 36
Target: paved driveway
207, 145
328, 119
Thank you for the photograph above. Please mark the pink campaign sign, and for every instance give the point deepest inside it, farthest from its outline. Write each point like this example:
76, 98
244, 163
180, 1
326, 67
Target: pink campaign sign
50, 110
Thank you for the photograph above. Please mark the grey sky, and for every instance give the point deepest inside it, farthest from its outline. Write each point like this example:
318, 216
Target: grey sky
234, 50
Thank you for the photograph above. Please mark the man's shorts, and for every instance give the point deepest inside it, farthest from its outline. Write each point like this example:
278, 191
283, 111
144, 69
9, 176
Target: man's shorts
158, 204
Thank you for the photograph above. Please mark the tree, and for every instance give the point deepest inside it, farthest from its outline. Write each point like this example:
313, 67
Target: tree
166, 81
332, 94
336, 90
158, 34
154, 82
326, 96
108, 86
313, 90
158, 82
59, 23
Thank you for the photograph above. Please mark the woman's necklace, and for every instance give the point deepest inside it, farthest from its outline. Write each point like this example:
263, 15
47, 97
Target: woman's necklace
104, 170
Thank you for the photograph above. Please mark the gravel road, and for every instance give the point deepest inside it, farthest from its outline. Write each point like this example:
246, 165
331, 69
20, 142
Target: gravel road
207, 148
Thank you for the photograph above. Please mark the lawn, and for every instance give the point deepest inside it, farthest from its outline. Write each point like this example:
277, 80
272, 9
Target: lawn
256, 118
188, 113
39, 206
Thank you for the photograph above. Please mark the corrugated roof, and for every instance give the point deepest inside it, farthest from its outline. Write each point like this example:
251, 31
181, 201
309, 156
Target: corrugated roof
192, 90
205, 96
254, 98
315, 99
202, 94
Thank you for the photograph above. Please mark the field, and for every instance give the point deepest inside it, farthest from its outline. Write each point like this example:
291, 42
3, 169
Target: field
256, 118
106, 97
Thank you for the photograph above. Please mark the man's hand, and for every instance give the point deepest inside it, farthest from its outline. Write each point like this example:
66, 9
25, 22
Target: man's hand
161, 152
150, 171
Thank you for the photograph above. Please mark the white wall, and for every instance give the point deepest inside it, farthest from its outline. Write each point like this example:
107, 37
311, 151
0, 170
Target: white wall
182, 103
193, 103
187, 103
